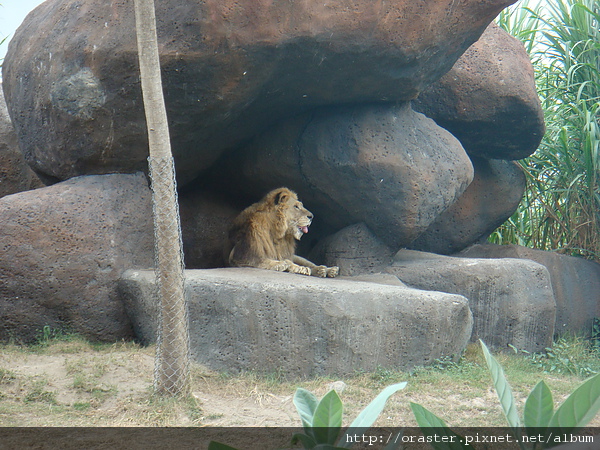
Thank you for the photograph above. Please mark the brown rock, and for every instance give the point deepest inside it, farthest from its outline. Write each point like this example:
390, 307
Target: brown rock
488, 100
355, 250
575, 282
205, 221
63, 247
230, 69
385, 166
492, 197
511, 299
15, 174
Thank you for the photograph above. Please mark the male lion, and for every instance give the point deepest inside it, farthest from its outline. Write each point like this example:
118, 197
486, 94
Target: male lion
264, 235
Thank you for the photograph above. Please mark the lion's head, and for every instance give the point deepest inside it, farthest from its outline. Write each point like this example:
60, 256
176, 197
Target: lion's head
295, 217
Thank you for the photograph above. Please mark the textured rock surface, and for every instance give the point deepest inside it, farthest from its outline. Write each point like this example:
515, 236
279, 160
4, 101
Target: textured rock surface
15, 174
492, 197
355, 250
249, 319
488, 99
62, 250
383, 165
575, 282
205, 221
511, 299
230, 68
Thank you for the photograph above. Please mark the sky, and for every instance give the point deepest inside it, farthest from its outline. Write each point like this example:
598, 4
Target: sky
12, 13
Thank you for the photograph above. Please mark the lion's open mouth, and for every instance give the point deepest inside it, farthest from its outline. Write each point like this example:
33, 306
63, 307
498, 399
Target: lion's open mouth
303, 229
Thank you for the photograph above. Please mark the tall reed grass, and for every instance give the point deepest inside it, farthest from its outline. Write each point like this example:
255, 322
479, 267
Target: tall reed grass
561, 207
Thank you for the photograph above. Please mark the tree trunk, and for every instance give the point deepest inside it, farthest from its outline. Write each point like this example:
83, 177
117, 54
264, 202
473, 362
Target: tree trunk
172, 354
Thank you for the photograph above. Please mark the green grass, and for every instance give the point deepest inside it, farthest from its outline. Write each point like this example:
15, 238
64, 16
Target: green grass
38, 393
570, 355
561, 207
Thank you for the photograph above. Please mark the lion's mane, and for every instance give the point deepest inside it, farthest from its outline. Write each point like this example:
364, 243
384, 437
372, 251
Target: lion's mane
268, 229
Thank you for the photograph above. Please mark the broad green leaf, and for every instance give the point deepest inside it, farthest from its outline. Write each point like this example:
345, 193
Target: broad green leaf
431, 425
306, 404
580, 407
369, 415
306, 440
507, 401
327, 420
539, 407
396, 442
218, 446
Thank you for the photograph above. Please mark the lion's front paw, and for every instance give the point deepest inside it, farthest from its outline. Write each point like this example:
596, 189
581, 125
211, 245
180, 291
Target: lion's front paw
333, 271
326, 272
302, 270
281, 266
320, 271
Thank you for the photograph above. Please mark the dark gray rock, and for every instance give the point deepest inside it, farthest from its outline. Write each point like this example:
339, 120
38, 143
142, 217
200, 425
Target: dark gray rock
511, 299
488, 99
205, 222
575, 282
62, 250
386, 166
355, 250
251, 319
492, 197
15, 174
230, 69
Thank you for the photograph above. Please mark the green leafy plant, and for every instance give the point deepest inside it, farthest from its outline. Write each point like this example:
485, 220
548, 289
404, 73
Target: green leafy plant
538, 414
561, 206
47, 335
595, 337
570, 355
322, 420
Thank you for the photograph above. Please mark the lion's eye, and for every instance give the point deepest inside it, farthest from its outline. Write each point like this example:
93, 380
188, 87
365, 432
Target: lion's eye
296, 206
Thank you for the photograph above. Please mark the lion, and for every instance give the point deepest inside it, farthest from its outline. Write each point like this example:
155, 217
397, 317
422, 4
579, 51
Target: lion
265, 235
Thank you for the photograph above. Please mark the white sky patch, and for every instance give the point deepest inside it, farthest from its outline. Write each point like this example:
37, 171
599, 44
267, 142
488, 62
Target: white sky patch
12, 13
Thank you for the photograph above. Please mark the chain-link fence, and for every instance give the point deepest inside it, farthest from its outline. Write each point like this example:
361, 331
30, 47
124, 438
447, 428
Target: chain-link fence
171, 371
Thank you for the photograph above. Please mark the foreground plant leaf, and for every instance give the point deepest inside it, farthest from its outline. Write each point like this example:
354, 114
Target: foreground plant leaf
507, 401
434, 427
327, 419
369, 415
580, 407
539, 407
306, 440
306, 404
218, 446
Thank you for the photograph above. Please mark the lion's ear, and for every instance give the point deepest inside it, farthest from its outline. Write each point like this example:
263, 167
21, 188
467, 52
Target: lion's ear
281, 197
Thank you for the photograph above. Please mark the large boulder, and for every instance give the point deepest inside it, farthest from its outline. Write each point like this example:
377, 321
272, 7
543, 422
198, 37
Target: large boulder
230, 69
488, 99
383, 165
62, 250
355, 250
575, 283
15, 174
492, 197
252, 319
511, 299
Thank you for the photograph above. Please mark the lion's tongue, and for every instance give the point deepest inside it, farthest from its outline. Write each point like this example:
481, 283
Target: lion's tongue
304, 229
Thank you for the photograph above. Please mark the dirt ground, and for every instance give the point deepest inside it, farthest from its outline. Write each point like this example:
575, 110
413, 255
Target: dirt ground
113, 383
76, 384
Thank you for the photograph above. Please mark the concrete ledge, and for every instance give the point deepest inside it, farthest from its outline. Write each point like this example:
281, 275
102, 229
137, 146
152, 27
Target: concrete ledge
251, 319
511, 299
